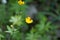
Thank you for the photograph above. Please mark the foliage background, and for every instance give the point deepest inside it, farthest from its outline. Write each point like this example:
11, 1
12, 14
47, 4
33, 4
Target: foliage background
13, 26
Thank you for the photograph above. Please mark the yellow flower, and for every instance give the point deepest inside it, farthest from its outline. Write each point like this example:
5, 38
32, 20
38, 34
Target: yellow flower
20, 2
29, 20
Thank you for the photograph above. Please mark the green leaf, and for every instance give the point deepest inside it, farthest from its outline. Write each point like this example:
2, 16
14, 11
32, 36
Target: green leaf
1, 36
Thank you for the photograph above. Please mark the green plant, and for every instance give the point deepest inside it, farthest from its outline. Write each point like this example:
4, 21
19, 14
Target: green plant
1, 34
15, 14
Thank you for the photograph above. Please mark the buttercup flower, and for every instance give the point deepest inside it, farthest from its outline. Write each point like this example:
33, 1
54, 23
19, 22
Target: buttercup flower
20, 2
29, 20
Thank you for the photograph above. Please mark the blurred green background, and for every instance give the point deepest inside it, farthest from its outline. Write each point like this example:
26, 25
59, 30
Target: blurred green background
48, 16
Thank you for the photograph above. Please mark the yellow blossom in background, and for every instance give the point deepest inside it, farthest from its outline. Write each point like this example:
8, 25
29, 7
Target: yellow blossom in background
29, 20
20, 2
